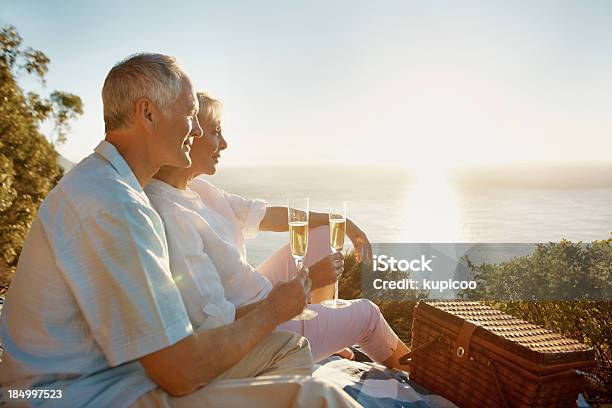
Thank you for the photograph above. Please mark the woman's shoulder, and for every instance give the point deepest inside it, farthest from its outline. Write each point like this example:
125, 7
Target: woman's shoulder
205, 188
200, 183
167, 199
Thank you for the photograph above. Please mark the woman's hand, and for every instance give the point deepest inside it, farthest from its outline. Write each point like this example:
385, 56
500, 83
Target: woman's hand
327, 270
363, 248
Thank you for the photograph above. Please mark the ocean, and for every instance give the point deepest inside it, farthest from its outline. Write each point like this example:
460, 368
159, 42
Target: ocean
492, 205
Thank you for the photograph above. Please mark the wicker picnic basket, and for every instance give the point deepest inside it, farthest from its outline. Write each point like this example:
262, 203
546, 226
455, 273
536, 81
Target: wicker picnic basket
477, 356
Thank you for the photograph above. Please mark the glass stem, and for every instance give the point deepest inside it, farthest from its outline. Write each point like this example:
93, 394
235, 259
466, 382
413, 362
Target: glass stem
336, 293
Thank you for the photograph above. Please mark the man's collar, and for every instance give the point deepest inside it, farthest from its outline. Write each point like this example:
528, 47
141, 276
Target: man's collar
112, 155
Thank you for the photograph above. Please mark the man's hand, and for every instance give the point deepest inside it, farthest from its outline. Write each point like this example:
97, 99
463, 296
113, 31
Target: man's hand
363, 248
288, 299
327, 270
200, 357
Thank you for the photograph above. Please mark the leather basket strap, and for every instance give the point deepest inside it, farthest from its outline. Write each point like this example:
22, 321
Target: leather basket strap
461, 348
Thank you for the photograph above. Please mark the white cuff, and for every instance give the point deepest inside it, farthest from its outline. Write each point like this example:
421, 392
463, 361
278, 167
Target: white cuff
253, 219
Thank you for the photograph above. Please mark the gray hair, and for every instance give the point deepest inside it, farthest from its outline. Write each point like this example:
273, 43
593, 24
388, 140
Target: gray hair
156, 77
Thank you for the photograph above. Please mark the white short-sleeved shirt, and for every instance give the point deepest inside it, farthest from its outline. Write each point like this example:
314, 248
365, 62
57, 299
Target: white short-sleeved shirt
204, 223
92, 292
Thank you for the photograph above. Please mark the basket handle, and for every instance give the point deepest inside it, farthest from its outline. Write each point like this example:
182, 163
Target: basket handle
406, 358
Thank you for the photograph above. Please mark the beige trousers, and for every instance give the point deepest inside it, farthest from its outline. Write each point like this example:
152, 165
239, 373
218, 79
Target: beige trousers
282, 363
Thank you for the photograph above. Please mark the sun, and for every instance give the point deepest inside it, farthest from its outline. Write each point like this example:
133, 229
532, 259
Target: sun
431, 212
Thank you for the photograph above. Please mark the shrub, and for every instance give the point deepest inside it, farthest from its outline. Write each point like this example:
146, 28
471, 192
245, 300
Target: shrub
29, 166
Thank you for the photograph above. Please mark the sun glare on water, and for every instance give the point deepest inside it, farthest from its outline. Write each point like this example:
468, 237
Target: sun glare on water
431, 211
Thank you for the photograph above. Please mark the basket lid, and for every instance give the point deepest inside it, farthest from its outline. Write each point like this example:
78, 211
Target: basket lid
526, 339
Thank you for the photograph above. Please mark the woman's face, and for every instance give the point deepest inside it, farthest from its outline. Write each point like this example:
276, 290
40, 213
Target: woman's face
206, 150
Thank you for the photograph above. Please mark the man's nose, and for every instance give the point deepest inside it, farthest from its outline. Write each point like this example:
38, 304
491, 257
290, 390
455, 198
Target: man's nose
196, 130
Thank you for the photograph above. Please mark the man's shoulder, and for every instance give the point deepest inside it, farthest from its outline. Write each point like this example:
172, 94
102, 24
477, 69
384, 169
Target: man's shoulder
90, 187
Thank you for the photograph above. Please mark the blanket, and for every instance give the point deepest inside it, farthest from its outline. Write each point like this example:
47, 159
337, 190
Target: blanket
374, 386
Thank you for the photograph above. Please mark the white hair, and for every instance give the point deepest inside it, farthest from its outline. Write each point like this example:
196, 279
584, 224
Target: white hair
156, 77
210, 108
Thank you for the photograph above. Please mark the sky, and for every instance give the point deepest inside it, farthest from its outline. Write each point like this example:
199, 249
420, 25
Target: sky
418, 84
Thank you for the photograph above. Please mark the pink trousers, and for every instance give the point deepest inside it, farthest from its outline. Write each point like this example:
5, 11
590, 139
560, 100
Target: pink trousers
360, 323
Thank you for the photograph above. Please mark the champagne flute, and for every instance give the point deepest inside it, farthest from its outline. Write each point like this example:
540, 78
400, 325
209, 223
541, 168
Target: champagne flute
337, 231
297, 212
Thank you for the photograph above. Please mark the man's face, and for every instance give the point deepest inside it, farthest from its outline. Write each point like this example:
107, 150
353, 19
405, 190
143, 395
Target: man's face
178, 127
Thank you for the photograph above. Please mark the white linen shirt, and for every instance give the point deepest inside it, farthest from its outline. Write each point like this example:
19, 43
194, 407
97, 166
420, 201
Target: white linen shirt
206, 228
193, 270
92, 292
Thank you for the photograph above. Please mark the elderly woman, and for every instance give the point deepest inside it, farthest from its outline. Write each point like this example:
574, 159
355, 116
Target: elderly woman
206, 229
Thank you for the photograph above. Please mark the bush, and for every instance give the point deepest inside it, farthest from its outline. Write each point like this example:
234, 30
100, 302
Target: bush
29, 166
554, 271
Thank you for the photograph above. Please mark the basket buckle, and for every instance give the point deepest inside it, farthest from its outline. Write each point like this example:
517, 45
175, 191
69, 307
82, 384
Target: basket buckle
462, 344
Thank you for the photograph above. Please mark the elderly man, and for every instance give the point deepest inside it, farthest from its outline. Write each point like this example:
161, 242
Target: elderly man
93, 317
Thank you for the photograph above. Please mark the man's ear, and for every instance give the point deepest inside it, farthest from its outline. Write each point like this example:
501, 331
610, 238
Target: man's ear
146, 114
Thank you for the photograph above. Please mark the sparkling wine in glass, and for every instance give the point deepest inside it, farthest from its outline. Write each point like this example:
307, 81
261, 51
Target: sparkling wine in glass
337, 232
297, 212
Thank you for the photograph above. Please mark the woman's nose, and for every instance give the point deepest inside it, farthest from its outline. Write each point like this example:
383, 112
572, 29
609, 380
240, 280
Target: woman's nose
222, 143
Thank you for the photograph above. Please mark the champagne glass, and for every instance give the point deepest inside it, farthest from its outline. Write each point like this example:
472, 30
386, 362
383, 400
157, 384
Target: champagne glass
337, 231
297, 212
